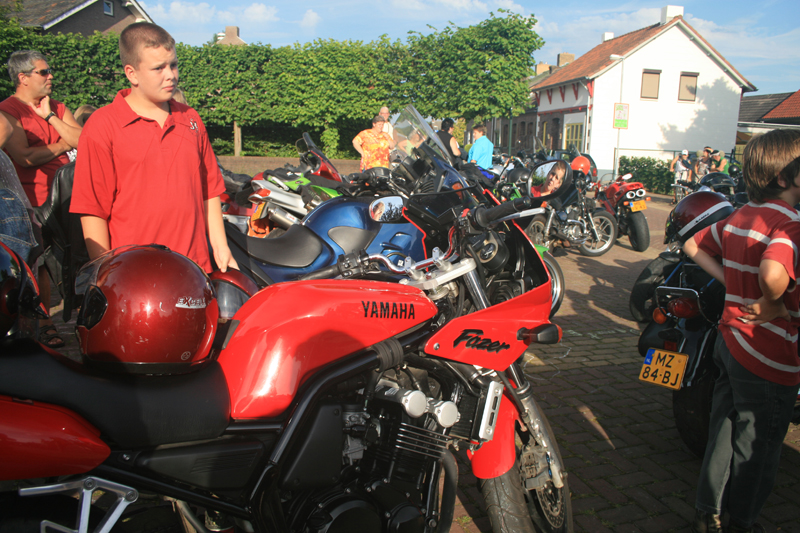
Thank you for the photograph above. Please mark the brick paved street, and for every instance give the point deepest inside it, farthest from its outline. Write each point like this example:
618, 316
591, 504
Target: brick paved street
628, 469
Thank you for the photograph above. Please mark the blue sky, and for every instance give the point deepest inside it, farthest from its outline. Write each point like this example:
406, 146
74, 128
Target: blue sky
760, 38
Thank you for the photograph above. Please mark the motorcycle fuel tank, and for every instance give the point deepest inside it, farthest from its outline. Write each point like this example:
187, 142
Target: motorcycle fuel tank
288, 331
43, 440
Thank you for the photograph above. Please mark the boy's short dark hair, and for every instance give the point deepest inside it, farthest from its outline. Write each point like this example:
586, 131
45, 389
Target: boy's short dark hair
141, 35
447, 124
767, 156
481, 128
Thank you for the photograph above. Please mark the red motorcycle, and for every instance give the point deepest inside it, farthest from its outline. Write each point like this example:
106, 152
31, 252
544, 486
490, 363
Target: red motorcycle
319, 405
626, 201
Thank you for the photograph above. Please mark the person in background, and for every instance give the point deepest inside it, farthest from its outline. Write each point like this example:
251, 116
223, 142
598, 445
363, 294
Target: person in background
703, 162
387, 126
43, 131
718, 162
754, 254
445, 133
481, 151
143, 145
374, 145
682, 167
83, 113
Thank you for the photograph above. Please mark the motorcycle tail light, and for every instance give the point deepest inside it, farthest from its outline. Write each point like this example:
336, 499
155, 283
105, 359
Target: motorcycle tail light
671, 346
659, 316
683, 308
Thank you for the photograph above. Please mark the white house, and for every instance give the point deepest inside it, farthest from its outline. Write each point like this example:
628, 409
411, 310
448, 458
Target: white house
677, 93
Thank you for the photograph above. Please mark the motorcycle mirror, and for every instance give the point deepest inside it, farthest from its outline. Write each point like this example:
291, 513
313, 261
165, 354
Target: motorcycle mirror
627, 176
386, 209
542, 170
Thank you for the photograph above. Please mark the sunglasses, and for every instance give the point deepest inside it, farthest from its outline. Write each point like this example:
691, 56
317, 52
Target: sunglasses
44, 72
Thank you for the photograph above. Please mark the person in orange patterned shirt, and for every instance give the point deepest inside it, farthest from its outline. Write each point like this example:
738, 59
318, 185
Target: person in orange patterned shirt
374, 145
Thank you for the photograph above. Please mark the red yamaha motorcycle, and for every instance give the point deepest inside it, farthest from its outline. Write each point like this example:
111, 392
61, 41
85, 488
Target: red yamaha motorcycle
626, 201
313, 406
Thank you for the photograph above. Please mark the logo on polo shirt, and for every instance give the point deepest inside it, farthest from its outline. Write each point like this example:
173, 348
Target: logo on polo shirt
192, 124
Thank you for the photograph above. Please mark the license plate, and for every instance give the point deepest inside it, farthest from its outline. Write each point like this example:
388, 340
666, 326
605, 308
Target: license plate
638, 205
663, 368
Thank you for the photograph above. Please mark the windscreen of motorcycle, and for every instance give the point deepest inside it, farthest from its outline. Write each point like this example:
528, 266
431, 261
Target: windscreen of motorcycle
441, 208
411, 131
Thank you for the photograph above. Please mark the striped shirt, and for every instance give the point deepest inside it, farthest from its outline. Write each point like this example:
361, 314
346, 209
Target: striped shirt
751, 234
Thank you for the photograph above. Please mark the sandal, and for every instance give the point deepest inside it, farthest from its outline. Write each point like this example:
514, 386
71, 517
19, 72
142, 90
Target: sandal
47, 338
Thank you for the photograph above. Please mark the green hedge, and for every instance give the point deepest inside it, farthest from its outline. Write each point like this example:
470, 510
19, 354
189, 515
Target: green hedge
331, 89
653, 173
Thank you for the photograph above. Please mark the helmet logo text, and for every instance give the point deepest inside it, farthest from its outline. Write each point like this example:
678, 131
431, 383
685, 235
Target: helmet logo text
186, 302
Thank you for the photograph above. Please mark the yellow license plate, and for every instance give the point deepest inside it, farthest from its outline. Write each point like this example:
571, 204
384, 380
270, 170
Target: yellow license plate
663, 368
638, 205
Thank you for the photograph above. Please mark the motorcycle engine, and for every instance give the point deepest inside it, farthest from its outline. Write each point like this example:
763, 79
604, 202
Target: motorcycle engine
390, 452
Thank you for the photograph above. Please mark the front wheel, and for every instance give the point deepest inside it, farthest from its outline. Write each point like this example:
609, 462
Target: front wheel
536, 230
557, 284
606, 226
638, 231
512, 508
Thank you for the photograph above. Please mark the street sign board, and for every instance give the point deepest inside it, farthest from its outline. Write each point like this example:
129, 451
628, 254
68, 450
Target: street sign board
621, 112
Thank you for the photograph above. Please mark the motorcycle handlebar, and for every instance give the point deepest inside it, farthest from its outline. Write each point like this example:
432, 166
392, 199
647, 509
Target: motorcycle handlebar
323, 273
482, 217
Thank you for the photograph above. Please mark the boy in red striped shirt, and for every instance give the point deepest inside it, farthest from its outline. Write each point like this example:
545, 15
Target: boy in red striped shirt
754, 253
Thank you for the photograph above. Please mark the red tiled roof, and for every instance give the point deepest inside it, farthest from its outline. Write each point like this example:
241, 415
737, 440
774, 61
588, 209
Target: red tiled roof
597, 59
590, 64
789, 108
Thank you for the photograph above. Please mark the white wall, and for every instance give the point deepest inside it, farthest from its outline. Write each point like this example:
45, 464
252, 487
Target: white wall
665, 124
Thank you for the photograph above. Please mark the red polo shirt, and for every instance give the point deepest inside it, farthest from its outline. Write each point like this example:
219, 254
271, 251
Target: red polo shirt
150, 183
36, 180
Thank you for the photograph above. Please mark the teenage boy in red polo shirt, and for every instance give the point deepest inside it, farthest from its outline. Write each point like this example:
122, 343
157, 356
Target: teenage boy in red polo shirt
754, 252
145, 171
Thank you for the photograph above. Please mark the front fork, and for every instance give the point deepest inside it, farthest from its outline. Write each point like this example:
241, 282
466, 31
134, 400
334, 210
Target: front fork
528, 410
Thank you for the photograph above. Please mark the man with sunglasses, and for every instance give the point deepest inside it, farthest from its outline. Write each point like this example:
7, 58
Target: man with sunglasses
43, 131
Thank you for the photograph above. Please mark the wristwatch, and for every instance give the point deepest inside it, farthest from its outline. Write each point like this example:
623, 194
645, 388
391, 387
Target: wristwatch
48, 117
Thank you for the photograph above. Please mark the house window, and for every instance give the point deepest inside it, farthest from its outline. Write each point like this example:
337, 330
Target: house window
573, 136
687, 92
650, 80
108, 8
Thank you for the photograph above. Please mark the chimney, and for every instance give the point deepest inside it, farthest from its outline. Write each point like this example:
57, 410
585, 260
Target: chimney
670, 12
564, 58
542, 67
607, 36
230, 36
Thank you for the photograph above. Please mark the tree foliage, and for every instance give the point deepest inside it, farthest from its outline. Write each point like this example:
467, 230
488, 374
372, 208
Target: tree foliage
653, 173
330, 88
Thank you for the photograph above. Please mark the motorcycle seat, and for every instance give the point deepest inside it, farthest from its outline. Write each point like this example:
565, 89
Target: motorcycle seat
130, 411
297, 248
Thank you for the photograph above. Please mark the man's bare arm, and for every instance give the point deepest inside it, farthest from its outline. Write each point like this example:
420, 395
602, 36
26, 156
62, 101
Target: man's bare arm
95, 234
27, 156
216, 235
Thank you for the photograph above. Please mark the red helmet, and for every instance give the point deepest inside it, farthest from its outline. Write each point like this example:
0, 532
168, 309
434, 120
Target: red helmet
19, 293
581, 164
146, 310
695, 212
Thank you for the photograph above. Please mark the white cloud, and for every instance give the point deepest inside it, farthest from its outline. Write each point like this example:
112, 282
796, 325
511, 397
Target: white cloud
182, 12
310, 20
511, 6
259, 13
